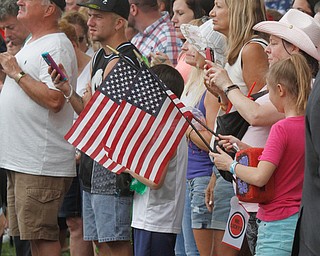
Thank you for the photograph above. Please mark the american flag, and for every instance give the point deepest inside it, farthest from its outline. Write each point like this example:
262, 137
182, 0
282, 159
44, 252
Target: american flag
147, 128
88, 131
141, 133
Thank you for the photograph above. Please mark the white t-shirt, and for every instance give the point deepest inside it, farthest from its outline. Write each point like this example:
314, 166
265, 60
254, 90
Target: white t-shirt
31, 136
82, 81
161, 210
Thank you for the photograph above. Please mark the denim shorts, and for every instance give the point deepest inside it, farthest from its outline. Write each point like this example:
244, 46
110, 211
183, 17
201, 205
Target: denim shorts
223, 192
276, 237
200, 216
106, 218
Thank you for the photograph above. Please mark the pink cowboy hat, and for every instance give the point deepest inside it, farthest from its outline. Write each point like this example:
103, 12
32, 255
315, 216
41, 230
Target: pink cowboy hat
297, 28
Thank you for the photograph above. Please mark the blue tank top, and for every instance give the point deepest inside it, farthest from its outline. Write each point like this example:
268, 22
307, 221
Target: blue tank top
199, 163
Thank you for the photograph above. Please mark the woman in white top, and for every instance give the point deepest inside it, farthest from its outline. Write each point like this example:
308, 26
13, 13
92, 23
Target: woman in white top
246, 65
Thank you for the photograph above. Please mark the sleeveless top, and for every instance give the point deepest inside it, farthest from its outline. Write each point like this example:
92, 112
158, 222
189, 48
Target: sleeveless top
235, 70
199, 163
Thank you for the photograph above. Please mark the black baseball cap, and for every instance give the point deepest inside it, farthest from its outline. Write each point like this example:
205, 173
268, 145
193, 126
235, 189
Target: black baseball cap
120, 7
60, 3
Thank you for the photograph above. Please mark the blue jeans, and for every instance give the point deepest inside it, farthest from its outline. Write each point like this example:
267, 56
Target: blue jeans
185, 243
106, 218
276, 237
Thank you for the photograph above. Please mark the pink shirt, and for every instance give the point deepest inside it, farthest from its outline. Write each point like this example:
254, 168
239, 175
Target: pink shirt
183, 67
285, 149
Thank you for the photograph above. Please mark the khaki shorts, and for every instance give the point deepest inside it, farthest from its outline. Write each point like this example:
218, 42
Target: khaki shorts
33, 205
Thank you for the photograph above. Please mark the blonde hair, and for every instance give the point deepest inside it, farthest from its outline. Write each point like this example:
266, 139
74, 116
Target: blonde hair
195, 83
243, 15
294, 74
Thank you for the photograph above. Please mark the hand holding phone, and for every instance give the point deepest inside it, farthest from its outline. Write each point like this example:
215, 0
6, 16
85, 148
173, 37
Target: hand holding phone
47, 57
209, 56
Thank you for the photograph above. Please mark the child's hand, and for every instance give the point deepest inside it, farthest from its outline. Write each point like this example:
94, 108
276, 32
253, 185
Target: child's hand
221, 159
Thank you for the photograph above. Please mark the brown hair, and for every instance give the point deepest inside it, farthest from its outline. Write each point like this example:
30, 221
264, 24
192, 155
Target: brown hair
69, 30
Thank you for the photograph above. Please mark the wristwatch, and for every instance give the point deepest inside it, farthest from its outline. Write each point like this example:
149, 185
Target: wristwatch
19, 76
230, 88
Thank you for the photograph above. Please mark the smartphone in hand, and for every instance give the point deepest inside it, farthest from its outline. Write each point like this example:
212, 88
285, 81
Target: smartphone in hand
209, 55
47, 57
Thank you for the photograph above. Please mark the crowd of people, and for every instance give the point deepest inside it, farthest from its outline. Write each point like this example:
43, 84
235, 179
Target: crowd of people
255, 62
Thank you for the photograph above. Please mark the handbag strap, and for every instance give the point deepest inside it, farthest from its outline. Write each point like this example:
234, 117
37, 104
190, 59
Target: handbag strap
252, 97
258, 95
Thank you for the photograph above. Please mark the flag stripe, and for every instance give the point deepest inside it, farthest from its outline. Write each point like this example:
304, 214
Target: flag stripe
178, 134
84, 117
129, 126
96, 132
165, 113
143, 129
164, 144
159, 149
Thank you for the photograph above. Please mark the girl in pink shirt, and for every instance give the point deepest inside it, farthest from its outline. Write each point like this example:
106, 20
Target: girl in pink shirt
288, 83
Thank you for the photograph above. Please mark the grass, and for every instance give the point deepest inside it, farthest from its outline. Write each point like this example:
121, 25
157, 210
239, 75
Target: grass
9, 250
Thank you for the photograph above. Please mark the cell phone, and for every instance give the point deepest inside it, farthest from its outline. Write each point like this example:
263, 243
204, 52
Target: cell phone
209, 55
47, 57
